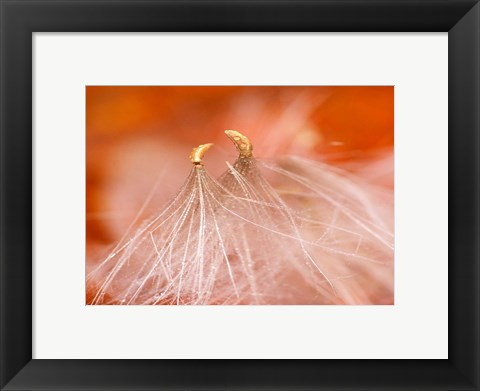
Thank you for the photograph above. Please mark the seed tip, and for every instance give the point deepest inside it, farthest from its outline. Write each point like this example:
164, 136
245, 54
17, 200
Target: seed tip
197, 153
242, 143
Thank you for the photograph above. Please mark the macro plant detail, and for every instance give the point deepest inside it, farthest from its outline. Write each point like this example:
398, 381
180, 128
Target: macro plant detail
282, 231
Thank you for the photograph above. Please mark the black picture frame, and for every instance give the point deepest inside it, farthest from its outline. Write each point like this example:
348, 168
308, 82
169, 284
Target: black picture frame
20, 18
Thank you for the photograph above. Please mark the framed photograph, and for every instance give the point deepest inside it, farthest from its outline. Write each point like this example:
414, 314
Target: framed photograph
276, 226
244, 195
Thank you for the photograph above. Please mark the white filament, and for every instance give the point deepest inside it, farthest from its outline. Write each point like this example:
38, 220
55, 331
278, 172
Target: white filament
320, 237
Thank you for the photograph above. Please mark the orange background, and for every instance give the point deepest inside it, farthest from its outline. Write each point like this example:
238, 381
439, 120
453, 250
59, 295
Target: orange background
131, 129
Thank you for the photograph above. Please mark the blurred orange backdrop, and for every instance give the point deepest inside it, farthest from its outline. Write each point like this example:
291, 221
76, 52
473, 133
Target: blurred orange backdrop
132, 132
